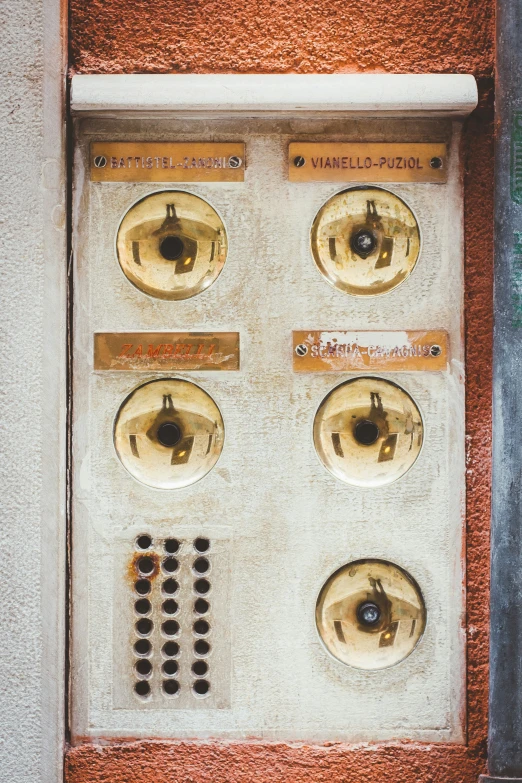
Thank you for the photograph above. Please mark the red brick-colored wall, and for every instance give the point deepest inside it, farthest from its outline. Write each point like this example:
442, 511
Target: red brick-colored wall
281, 36
327, 36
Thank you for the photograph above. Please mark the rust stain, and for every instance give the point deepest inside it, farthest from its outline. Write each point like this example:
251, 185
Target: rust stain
133, 570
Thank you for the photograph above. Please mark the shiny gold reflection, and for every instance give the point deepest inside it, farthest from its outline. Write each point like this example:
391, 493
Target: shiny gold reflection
365, 241
168, 433
171, 244
368, 432
370, 614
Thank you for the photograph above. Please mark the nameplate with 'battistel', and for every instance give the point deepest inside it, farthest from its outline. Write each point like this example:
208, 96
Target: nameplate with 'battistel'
161, 161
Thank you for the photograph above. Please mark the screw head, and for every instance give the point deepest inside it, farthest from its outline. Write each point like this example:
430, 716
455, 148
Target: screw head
234, 162
368, 613
435, 350
363, 242
436, 163
100, 161
301, 350
299, 161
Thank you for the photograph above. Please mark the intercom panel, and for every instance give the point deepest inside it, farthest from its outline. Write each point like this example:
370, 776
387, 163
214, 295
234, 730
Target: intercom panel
268, 430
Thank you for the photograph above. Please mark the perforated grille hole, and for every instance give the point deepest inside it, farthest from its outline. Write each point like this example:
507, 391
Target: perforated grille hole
202, 586
170, 606
146, 565
143, 542
170, 628
170, 565
142, 606
171, 546
199, 668
170, 649
170, 668
142, 688
171, 656
201, 606
142, 647
144, 627
170, 587
201, 565
170, 687
201, 687
142, 586
143, 667
201, 544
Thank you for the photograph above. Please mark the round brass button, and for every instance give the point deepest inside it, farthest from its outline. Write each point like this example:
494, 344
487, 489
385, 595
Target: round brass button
168, 433
370, 614
171, 244
368, 432
365, 241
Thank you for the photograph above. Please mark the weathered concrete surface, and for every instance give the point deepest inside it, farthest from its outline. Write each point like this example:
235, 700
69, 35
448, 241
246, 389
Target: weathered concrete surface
302, 524
32, 401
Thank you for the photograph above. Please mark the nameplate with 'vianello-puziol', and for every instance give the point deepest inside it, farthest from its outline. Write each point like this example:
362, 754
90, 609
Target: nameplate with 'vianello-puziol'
367, 162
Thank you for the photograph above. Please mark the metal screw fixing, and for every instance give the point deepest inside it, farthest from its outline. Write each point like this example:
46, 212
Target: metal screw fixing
368, 613
363, 242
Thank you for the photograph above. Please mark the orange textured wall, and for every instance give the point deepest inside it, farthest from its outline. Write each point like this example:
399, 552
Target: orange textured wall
196, 36
324, 36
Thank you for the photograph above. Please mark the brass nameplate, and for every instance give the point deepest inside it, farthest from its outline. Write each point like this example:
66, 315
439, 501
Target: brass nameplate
340, 351
115, 161
366, 162
144, 351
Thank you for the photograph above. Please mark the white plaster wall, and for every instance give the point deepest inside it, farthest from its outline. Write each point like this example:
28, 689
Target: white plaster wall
293, 524
32, 398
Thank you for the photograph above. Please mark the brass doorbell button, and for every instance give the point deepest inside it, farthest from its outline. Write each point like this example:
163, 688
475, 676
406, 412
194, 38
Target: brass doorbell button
368, 432
365, 241
171, 245
168, 433
370, 614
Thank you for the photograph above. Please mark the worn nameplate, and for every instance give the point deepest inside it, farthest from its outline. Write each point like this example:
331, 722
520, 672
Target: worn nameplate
366, 162
339, 351
166, 351
115, 161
